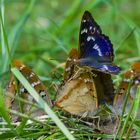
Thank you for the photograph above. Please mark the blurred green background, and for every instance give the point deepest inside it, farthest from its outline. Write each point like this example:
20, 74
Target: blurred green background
41, 33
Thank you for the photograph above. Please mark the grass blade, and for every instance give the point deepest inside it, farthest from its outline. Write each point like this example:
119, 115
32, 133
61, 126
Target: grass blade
42, 103
14, 35
2, 36
5, 40
123, 109
3, 110
132, 25
136, 101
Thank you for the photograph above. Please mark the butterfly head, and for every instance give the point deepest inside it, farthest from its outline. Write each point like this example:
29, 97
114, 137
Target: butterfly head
95, 46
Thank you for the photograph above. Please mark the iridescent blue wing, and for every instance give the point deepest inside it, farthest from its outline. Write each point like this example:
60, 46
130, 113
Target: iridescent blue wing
95, 48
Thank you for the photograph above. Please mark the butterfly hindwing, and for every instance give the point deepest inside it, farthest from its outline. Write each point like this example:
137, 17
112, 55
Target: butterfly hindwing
104, 87
78, 95
132, 75
34, 81
70, 63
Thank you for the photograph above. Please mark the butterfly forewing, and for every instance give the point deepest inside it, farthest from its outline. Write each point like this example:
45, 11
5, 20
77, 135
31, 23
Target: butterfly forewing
90, 35
95, 49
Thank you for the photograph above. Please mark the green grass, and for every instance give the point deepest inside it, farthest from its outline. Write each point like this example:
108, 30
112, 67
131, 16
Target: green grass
41, 33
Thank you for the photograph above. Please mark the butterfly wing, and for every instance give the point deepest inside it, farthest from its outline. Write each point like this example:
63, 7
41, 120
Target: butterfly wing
104, 87
10, 90
95, 49
70, 63
78, 96
34, 81
121, 94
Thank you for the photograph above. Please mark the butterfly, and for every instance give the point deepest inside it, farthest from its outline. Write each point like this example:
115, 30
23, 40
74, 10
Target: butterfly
77, 95
90, 34
95, 49
34, 81
121, 94
81, 91
99, 88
